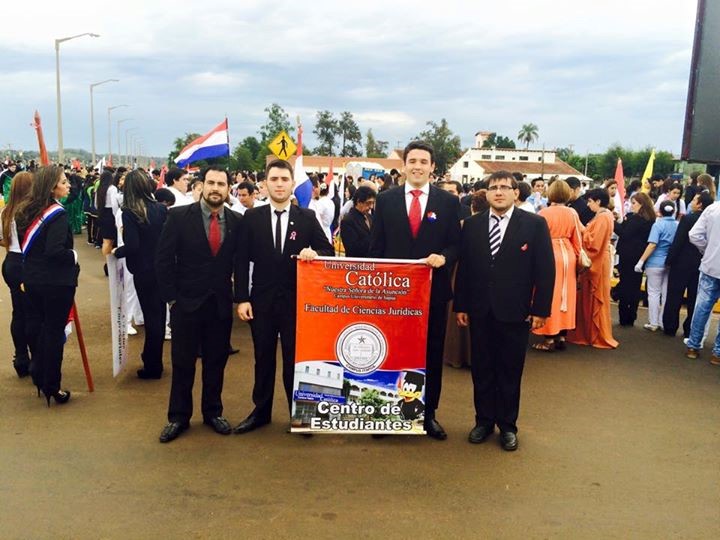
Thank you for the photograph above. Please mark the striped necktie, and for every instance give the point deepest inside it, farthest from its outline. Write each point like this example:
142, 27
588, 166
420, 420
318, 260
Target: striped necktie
495, 235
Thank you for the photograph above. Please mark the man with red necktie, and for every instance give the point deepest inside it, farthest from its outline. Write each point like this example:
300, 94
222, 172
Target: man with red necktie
194, 263
420, 221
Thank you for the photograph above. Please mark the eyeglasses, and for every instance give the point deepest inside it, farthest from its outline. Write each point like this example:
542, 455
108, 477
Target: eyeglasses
501, 187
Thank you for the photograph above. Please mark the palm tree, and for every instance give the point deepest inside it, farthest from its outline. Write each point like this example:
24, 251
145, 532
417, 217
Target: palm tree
527, 134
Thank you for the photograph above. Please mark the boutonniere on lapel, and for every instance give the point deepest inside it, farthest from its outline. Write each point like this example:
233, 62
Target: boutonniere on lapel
293, 235
523, 247
431, 216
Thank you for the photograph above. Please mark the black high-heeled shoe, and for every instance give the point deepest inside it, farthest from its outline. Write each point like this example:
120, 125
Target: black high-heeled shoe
60, 397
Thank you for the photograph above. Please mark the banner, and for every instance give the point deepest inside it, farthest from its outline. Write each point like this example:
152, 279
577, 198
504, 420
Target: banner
360, 350
118, 315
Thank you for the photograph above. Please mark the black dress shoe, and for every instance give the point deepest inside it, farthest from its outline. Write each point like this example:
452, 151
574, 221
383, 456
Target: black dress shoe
219, 424
508, 441
250, 423
435, 430
172, 431
21, 368
480, 433
145, 374
232, 350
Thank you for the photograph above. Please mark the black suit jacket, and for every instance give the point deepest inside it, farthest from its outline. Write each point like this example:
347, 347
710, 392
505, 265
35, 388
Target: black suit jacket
390, 236
355, 234
50, 260
682, 254
518, 282
633, 234
141, 240
584, 212
275, 275
186, 269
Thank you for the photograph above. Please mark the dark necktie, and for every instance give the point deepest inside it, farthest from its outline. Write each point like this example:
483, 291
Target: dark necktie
278, 232
214, 234
414, 215
494, 235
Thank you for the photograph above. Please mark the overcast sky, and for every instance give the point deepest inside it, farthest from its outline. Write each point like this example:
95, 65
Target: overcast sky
587, 73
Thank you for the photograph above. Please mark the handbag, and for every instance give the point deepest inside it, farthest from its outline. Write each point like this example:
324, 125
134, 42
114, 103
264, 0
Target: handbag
583, 261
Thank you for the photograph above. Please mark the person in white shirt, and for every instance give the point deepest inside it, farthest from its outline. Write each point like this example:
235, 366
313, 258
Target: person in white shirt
245, 198
705, 235
177, 181
323, 207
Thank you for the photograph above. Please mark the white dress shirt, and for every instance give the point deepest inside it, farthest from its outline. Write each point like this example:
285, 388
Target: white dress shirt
423, 198
504, 220
284, 220
181, 199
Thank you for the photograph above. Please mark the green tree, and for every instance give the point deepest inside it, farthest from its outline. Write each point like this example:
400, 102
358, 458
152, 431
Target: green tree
326, 129
498, 141
278, 120
179, 144
445, 143
372, 397
350, 134
527, 134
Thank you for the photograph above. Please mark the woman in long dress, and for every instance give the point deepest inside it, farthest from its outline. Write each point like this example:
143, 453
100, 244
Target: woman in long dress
594, 326
565, 231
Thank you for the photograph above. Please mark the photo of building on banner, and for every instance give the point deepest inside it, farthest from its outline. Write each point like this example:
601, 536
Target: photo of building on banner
361, 342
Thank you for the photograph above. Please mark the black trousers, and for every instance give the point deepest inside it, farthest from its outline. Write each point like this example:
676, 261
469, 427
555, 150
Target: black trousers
266, 325
679, 280
204, 328
437, 326
12, 274
498, 358
629, 293
47, 312
153, 309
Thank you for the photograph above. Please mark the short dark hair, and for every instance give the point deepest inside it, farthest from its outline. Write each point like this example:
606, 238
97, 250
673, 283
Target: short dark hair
216, 168
280, 164
419, 145
363, 194
164, 195
173, 175
573, 182
247, 185
598, 194
502, 175
155, 172
524, 191
518, 176
457, 184
705, 199
535, 180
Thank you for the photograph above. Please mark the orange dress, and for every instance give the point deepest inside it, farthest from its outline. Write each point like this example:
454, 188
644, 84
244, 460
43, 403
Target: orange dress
594, 326
562, 222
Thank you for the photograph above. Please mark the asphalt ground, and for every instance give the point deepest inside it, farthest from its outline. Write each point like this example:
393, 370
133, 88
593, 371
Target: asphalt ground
613, 444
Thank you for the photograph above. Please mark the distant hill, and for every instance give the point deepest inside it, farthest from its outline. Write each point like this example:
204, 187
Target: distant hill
70, 153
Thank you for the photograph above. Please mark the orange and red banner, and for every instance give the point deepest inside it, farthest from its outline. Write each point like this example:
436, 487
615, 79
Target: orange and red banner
360, 349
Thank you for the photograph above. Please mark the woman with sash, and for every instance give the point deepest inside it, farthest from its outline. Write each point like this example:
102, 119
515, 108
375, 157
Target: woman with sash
12, 270
50, 276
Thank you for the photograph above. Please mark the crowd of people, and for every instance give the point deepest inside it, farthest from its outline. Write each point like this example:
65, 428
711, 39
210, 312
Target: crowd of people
520, 255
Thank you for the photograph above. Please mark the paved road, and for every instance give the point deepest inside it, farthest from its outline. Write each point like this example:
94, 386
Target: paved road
613, 444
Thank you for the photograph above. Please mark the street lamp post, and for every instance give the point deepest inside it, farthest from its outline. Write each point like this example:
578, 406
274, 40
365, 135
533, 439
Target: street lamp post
127, 148
117, 132
92, 114
61, 150
110, 129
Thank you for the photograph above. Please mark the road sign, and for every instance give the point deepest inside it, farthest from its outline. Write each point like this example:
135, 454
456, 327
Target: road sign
282, 146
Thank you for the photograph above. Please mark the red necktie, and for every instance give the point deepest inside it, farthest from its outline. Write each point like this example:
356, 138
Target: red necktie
414, 215
214, 234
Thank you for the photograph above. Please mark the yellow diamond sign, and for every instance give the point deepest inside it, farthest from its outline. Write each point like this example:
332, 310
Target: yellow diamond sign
282, 146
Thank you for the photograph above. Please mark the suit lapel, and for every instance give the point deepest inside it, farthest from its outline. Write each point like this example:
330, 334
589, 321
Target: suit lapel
401, 211
291, 233
199, 228
430, 208
510, 231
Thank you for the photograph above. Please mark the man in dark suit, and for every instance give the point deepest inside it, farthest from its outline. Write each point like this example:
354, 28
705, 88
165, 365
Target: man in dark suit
503, 287
577, 202
194, 263
274, 236
355, 227
420, 221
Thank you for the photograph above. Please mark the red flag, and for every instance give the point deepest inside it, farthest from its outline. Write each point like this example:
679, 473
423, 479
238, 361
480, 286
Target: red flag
329, 177
163, 170
109, 161
620, 181
37, 124
76, 164
152, 165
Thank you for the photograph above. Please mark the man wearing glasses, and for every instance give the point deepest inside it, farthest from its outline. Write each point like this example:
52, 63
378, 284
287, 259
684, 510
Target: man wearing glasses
504, 287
